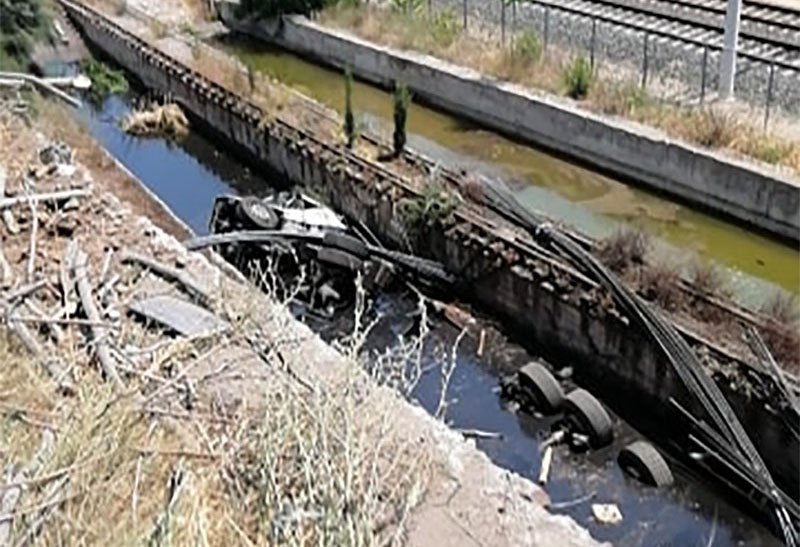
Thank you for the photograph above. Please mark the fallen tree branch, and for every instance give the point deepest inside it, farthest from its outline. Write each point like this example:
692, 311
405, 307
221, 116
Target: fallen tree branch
99, 334
43, 84
33, 204
47, 196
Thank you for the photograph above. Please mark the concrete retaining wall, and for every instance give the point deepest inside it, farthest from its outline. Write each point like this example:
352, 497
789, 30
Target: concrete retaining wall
745, 192
557, 315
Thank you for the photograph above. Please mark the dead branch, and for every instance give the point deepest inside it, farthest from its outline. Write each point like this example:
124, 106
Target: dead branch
7, 275
44, 84
172, 274
99, 334
65, 277
61, 195
33, 204
52, 325
8, 216
23, 291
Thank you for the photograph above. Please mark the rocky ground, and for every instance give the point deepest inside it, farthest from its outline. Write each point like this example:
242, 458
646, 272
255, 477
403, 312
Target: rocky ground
250, 430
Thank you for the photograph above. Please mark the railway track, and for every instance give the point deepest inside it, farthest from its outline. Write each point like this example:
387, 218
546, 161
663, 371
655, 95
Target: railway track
768, 33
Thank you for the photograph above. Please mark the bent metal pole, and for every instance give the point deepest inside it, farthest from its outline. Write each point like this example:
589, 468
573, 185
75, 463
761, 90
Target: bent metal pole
727, 66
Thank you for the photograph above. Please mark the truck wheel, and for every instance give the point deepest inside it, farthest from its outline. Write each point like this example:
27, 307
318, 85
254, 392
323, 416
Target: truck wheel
590, 417
643, 462
545, 391
259, 213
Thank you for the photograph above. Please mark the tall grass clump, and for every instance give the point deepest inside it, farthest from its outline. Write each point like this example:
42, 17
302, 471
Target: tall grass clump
578, 78
782, 332
444, 27
625, 248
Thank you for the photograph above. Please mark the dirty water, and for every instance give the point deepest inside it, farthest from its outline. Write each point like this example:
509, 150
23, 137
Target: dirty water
593, 203
189, 175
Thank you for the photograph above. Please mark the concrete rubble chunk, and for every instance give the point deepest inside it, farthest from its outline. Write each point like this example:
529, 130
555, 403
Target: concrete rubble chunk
606, 513
179, 315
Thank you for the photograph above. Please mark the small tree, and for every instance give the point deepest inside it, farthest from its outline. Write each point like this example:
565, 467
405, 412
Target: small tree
401, 99
349, 118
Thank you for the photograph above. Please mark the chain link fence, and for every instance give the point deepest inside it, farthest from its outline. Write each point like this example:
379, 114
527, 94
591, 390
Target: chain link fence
671, 68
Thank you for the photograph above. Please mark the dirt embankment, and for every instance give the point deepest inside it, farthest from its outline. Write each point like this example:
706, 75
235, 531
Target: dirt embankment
116, 428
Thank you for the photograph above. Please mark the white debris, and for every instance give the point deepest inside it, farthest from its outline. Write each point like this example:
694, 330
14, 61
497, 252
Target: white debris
606, 513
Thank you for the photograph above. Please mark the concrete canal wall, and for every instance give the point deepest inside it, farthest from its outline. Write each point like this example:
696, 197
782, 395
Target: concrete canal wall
558, 312
759, 197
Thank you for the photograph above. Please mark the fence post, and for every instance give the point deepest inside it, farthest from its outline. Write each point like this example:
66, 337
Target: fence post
513, 15
464, 4
769, 94
430, 7
644, 60
546, 26
703, 75
503, 22
591, 47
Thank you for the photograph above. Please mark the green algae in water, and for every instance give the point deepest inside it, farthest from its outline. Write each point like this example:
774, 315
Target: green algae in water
590, 201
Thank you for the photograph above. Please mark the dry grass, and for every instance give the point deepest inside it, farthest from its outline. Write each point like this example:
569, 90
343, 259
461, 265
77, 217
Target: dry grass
710, 281
710, 127
320, 461
625, 248
163, 120
659, 282
782, 333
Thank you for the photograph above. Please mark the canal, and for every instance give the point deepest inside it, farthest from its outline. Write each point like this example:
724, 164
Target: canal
188, 175
593, 203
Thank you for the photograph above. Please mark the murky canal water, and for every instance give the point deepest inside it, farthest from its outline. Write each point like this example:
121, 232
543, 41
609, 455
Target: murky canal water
592, 202
188, 176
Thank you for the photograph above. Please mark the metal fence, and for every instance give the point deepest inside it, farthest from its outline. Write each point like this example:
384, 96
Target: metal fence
671, 67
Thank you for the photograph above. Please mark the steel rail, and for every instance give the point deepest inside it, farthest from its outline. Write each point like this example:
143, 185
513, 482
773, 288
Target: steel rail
708, 16
589, 9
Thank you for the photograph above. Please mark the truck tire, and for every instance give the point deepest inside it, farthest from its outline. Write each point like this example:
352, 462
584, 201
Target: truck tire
644, 463
259, 213
590, 417
339, 258
538, 384
347, 243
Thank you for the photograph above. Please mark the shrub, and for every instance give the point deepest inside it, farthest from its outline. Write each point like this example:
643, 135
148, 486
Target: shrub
22, 22
349, 118
105, 80
578, 78
624, 248
526, 47
444, 27
710, 281
409, 7
781, 331
660, 283
434, 207
713, 127
401, 98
